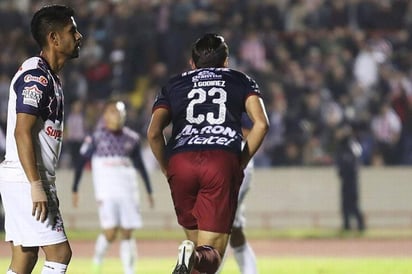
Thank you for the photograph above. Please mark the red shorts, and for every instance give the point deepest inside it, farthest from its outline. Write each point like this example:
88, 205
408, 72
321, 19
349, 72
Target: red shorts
204, 187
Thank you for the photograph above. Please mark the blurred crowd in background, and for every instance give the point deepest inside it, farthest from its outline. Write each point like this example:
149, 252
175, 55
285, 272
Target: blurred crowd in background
321, 65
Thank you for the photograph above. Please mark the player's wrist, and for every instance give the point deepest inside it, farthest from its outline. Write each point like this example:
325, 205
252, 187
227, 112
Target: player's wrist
37, 191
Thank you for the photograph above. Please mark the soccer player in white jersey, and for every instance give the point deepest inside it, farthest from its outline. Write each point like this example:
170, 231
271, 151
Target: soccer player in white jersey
115, 154
242, 251
33, 141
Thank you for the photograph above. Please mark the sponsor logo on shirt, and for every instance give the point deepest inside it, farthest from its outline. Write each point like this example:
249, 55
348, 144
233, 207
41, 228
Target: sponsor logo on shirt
55, 133
208, 135
32, 96
206, 75
39, 79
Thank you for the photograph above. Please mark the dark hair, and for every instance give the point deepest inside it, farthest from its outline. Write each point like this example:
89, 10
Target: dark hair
47, 19
210, 51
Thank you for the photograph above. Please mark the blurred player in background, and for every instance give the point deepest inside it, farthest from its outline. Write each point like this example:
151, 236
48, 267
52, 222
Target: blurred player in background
2, 144
2, 151
33, 144
204, 160
115, 154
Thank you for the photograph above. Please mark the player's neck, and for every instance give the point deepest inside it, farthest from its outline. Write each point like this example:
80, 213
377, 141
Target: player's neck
52, 59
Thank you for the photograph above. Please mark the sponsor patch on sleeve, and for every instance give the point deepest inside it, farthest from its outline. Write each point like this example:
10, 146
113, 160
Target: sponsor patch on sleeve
31, 96
39, 79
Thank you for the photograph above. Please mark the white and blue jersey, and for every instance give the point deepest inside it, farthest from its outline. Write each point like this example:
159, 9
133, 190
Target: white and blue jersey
115, 156
35, 90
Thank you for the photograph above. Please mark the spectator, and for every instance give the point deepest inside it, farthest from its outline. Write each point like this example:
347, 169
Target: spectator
340, 45
347, 164
386, 128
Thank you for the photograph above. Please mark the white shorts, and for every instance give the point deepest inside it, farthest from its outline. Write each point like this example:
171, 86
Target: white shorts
20, 226
121, 212
240, 219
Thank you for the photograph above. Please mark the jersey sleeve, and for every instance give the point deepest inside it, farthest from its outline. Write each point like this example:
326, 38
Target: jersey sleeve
86, 153
31, 91
141, 167
252, 88
162, 100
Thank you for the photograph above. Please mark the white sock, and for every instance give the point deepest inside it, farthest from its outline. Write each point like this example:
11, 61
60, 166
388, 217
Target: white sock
53, 268
100, 249
245, 258
10, 272
128, 255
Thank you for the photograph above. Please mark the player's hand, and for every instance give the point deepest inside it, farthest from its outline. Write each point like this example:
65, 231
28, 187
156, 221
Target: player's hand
75, 199
39, 199
164, 171
151, 201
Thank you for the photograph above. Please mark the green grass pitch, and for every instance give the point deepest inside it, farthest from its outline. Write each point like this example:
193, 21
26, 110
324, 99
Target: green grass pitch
266, 265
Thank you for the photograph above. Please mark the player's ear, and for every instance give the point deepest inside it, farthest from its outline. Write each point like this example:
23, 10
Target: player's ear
192, 63
226, 63
53, 38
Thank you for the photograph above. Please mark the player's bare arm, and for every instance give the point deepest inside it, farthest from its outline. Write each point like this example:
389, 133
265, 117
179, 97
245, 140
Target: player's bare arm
257, 113
25, 147
160, 120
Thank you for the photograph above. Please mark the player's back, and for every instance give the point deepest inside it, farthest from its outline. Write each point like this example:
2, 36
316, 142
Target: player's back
206, 107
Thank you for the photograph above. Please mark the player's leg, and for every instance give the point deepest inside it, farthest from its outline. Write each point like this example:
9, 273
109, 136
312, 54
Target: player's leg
345, 210
356, 213
184, 187
24, 230
128, 251
130, 219
204, 187
57, 258
222, 176
103, 241
191, 235
210, 251
108, 218
23, 259
58, 252
203, 258
243, 252
215, 213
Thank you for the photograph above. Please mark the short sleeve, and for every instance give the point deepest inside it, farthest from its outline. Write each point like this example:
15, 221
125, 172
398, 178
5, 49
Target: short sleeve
162, 100
252, 86
31, 90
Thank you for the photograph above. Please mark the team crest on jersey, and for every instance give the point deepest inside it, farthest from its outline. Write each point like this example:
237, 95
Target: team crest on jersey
32, 96
39, 79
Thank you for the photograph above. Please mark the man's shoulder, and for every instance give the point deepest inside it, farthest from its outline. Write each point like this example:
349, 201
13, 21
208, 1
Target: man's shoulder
131, 133
33, 70
34, 63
